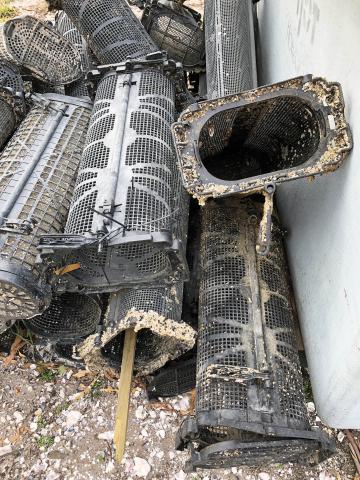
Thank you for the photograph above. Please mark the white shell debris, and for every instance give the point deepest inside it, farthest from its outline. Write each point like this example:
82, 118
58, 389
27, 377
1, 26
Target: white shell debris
141, 467
72, 417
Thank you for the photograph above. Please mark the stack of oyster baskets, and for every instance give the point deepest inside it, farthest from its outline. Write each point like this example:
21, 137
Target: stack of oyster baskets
108, 124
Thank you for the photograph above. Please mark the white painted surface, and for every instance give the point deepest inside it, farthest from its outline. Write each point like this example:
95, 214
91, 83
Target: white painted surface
322, 37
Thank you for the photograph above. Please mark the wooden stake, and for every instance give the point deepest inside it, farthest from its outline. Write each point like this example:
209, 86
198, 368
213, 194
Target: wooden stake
123, 401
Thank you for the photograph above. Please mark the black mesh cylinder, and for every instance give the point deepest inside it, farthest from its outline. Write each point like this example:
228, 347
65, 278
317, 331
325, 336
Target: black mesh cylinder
12, 103
174, 29
155, 314
249, 386
230, 47
68, 30
128, 219
35, 46
276, 133
37, 176
111, 29
69, 317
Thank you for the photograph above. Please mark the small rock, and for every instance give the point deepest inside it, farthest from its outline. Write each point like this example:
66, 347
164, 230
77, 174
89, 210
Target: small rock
161, 433
171, 455
141, 467
324, 476
18, 417
340, 436
110, 467
311, 407
144, 433
140, 412
5, 450
264, 476
184, 403
106, 436
52, 475
180, 475
162, 416
72, 417
33, 427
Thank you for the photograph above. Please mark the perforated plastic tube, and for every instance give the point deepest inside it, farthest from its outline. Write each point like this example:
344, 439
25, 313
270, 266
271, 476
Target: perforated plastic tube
37, 176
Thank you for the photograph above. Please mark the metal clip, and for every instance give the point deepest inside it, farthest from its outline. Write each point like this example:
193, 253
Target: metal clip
19, 227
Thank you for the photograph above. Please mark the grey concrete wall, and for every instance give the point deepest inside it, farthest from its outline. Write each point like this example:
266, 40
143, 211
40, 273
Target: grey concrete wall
322, 37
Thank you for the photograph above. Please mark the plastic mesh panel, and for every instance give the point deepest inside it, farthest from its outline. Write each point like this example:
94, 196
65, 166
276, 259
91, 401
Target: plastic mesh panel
174, 380
237, 333
139, 176
42, 157
68, 30
8, 119
230, 47
174, 29
32, 44
111, 29
260, 452
10, 77
69, 317
272, 135
12, 104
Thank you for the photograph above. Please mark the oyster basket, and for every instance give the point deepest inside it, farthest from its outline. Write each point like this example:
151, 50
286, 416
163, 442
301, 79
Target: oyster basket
270, 135
250, 404
127, 223
155, 314
70, 317
177, 30
67, 29
37, 171
230, 47
111, 29
35, 46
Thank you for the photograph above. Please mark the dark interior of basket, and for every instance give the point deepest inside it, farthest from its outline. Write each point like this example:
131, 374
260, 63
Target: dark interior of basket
149, 346
259, 138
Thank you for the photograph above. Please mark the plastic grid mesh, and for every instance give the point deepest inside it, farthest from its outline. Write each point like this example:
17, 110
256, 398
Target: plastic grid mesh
230, 47
111, 29
174, 380
44, 153
68, 30
270, 135
257, 453
147, 191
34, 45
12, 104
10, 77
165, 301
8, 120
174, 29
227, 323
69, 317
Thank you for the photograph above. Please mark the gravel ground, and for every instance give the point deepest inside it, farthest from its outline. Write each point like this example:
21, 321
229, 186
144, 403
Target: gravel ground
57, 423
